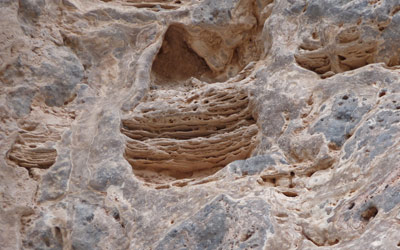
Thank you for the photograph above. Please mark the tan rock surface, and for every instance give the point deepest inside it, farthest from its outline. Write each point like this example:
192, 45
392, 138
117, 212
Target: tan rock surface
199, 124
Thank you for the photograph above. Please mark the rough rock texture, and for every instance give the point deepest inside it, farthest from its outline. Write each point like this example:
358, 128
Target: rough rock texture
200, 124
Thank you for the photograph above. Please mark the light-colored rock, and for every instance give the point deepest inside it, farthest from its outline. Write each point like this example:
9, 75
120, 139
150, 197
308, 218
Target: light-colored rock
185, 124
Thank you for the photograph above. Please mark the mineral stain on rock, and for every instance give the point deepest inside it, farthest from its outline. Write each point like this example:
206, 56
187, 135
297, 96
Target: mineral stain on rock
183, 124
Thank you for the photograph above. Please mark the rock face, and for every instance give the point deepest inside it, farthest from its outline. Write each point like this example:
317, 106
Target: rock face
186, 124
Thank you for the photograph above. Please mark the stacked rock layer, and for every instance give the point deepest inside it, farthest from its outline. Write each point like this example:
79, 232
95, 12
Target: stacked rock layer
199, 124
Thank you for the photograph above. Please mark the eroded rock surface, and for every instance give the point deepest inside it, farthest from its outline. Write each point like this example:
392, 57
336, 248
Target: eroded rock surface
185, 124
192, 132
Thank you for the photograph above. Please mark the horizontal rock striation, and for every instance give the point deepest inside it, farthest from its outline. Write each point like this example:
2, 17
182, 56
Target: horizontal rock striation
203, 129
199, 124
347, 51
34, 150
332, 49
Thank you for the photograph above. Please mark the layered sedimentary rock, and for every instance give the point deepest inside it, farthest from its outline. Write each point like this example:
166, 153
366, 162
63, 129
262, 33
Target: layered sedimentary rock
203, 129
26, 153
185, 124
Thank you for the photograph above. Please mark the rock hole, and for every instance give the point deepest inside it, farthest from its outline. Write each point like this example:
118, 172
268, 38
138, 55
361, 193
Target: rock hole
46, 241
176, 61
333, 146
115, 215
331, 243
351, 205
311, 173
369, 213
162, 187
268, 179
395, 10
58, 235
246, 236
89, 218
185, 54
71, 99
290, 194
345, 97
310, 100
382, 93
180, 184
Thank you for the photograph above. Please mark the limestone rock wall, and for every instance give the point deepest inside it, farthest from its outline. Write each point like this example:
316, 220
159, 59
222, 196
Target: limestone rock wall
199, 124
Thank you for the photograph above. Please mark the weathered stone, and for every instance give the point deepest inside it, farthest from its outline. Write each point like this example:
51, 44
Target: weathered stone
255, 165
20, 100
223, 223
67, 72
339, 124
183, 124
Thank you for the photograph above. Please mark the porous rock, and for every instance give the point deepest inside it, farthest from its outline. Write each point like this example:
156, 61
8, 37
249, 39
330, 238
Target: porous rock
185, 124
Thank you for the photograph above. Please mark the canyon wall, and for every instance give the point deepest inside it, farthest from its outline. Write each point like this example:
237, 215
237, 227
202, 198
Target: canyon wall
200, 124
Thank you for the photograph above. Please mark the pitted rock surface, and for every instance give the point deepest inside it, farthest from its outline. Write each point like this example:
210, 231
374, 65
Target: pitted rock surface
199, 124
